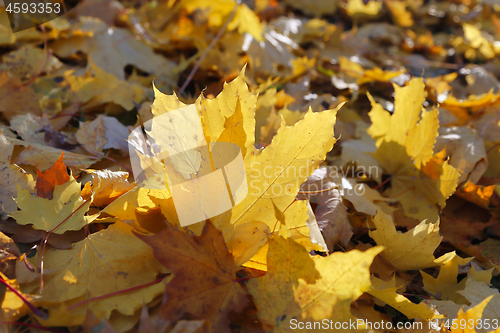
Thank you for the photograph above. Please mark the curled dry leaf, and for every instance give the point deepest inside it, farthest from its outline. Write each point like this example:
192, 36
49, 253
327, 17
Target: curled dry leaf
466, 150
331, 213
106, 186
11, 177
103, 133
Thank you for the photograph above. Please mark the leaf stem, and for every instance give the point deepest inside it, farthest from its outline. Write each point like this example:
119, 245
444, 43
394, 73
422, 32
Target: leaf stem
209, 47
409, 188
43, 243
383, 183
116, 293
45, 48
36, 311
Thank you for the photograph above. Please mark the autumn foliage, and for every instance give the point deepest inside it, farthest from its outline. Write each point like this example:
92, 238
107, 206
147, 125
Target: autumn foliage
370, 137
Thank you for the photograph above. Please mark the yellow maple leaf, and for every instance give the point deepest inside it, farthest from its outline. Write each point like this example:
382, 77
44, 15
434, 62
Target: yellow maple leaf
476, 292
467, 321
298, 288
273, 174
247, 22
445, 285
359, 10
277, 172
46, 214
103, 88
365, 76
301, 65
386, 291
245, 19
399, 14
474, 44
11, 304
230, 117
411, 250
405, 142
377, 74
84, 272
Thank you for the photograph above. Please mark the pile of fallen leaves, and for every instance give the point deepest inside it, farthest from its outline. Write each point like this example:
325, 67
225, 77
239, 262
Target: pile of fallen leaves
391, 218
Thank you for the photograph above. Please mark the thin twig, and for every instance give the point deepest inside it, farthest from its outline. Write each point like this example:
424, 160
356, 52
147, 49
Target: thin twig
43, 243
116, 293
210, 46
37, 312
45, 48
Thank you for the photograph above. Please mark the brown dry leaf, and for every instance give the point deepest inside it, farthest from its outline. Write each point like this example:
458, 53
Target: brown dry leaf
461, 232
16, 99
331, 213
29, 127
9, 252
43, 157
105, 41
103, 133
156, 324
466, 150
314, 7
204, 283
11, 176
24, 62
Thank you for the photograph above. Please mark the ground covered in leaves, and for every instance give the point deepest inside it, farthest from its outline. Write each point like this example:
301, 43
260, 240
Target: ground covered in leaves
370, 135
